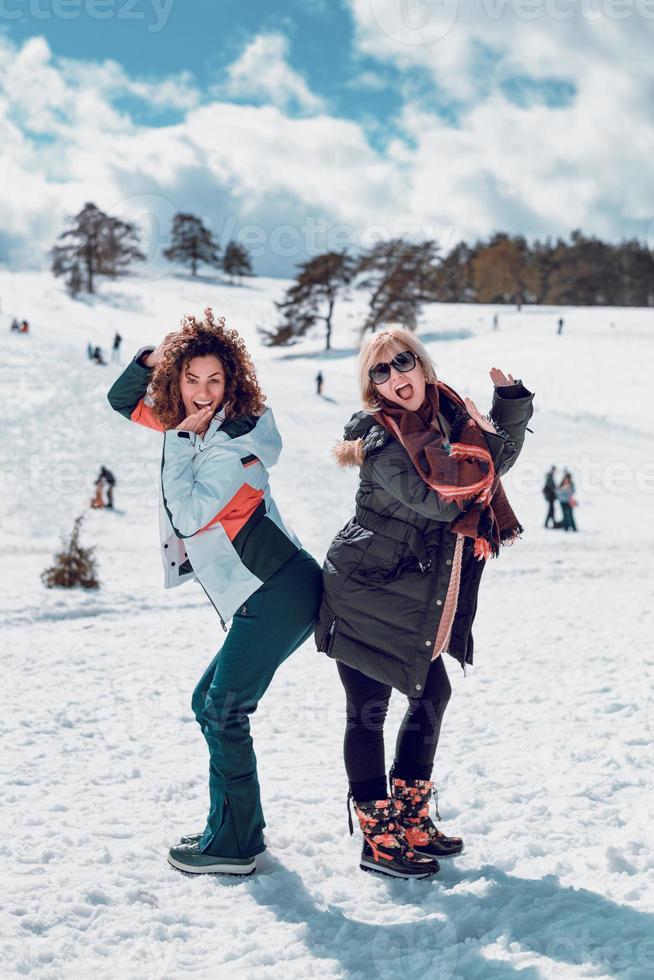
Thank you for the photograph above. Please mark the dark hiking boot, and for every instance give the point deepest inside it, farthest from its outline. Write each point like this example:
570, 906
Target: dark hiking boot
411, 797
189, 858
385, 848
190, 839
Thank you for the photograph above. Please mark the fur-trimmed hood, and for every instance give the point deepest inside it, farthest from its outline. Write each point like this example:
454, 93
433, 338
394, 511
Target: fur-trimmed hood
361, 434
349, 452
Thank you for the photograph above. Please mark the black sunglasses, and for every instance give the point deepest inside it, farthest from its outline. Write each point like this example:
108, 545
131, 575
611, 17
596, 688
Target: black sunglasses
404, 361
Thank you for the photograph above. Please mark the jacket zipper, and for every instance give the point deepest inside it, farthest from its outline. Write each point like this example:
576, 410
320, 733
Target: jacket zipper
222, 621
327, 638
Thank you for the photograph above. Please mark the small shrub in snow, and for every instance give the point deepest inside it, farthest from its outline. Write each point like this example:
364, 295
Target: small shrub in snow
73, 565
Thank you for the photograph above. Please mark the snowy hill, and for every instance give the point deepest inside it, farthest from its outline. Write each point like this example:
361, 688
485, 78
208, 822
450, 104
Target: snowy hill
544, 765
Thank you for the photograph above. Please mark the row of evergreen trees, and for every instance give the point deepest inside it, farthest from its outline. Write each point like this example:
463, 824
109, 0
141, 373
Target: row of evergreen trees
95, 243
584, 271
400, 276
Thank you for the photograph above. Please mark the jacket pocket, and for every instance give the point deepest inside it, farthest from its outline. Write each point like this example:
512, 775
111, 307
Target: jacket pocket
380, 558
251, 607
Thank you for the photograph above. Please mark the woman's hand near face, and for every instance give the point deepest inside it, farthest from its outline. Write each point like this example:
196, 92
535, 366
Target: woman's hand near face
198, 422
499, 378
477, 417
154, 357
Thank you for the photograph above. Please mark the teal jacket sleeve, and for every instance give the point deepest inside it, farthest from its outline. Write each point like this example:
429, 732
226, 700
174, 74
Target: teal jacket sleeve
127, 393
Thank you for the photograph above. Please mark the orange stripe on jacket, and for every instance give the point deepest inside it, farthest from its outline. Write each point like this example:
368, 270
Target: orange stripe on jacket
144, 415
237, 511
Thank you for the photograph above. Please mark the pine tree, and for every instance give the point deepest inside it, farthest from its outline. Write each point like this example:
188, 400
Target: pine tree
94, 244
398, 275
451, 280
192, 244
236, 261
319, 283
119, 247
73, 565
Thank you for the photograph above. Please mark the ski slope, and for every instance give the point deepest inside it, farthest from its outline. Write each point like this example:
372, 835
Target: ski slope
544, 765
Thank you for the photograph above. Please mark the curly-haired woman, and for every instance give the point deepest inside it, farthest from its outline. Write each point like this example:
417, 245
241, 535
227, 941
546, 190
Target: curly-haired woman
220, 526
401, 578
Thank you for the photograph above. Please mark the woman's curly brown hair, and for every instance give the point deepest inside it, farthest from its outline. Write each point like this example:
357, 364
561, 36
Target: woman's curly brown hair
198, 338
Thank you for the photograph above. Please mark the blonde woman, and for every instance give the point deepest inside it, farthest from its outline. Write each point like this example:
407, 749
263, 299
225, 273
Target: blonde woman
401, 578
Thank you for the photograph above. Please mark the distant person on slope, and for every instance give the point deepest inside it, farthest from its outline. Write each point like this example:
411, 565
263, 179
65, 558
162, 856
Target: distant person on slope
115, 350
15, 326
565, 495
319, 383
105, 481
401, 578
549, 492
221, 527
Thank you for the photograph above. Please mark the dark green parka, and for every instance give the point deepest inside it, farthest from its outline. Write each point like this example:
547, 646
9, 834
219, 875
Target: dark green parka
387, 571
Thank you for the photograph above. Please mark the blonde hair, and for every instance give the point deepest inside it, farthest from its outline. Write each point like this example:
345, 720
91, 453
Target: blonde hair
378, 344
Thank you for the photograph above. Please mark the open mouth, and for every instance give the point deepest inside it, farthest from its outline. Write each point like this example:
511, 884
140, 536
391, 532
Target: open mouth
404, 391
199, 405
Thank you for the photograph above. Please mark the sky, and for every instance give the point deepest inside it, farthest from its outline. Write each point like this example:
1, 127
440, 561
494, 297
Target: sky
319, 124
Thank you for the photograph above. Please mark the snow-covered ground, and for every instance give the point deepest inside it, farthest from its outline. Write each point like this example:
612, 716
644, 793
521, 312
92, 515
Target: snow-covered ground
545, 764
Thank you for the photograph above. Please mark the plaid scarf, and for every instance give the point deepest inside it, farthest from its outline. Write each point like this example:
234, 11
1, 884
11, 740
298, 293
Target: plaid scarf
461, 471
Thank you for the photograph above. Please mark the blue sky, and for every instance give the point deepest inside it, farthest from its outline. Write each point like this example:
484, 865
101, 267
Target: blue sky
204, 37
161, 37
452, 122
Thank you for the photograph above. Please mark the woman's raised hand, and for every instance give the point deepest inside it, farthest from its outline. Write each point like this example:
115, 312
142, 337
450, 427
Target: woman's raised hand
198, 422
155, 356
477, 417
499, 378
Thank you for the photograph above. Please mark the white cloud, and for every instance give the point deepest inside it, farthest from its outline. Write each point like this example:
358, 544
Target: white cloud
538, 169
370, 80
533, 168
66, 143
262, 72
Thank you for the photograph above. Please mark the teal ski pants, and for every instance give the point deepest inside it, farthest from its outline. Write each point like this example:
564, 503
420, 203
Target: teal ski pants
271, 624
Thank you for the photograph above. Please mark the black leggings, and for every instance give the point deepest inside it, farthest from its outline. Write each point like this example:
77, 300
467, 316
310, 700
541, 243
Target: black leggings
367, 704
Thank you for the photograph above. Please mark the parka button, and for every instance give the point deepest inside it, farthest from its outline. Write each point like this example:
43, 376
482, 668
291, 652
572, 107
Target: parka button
439, 602
448, 561
418, 687
427, 643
